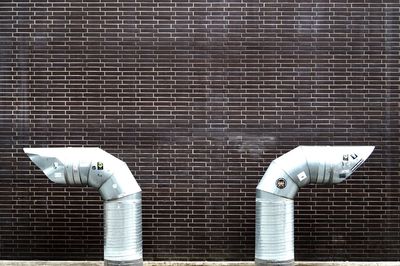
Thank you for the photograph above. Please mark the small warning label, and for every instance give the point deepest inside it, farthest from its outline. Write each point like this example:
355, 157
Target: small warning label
100, 166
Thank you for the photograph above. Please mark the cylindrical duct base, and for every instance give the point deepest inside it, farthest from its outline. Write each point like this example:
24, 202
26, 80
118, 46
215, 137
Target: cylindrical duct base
123, 231
123, 263
274, 263
274, 230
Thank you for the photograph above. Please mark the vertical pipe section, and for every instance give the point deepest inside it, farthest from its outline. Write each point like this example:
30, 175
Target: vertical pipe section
274, 230
123, 217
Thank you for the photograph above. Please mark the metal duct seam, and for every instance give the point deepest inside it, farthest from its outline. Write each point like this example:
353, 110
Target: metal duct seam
279, 186
117, 186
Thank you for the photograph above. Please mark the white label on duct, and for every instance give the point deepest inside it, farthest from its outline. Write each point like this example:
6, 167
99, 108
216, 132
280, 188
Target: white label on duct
302, 176
59, 175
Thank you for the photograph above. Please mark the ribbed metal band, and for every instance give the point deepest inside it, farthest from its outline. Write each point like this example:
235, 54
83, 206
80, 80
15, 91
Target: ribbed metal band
274, 263
274, 228
123, 263
123, 230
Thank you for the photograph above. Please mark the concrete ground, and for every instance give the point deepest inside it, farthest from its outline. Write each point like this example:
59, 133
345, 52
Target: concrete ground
188, 263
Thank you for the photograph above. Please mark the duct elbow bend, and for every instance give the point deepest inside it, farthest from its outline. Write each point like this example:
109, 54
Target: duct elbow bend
276, 182
117, 186
115, 182
279, 186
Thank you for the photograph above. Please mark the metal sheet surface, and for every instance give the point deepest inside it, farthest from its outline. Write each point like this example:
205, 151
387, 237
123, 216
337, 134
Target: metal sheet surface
123, 229
274, 228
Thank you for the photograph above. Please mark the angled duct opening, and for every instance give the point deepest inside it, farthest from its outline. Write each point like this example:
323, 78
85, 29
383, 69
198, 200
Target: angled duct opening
121, 194
279, 185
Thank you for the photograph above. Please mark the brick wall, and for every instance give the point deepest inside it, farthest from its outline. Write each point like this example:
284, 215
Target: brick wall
198, 97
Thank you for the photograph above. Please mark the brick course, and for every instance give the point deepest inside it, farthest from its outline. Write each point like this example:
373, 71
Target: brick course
198, 97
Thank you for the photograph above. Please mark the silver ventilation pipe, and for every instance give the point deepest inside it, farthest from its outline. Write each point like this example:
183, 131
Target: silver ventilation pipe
121, 194
279, 185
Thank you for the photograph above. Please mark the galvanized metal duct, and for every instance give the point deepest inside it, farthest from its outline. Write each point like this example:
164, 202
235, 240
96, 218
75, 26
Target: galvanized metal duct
279, 185
117, 186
